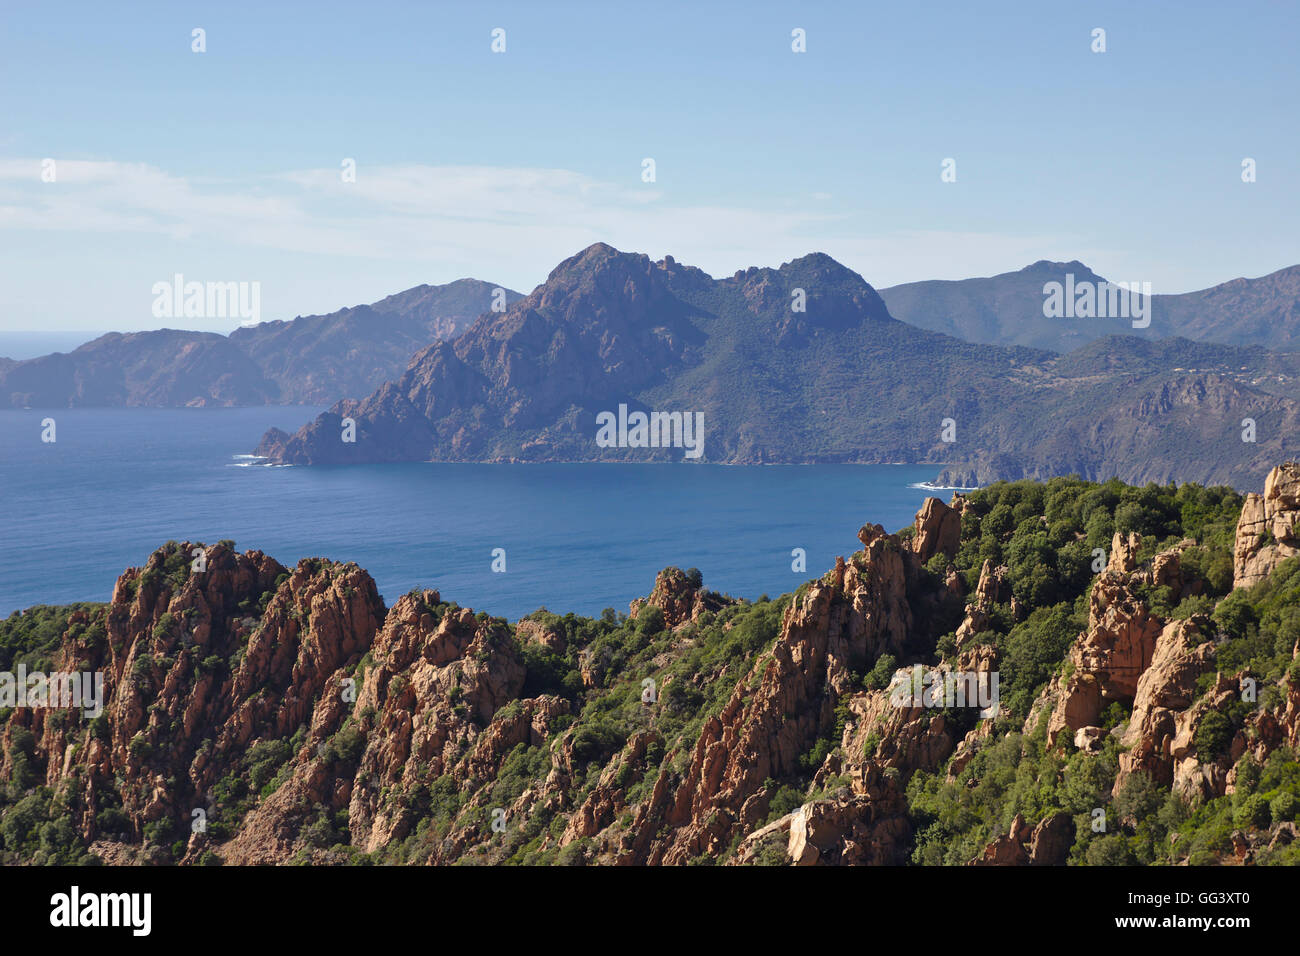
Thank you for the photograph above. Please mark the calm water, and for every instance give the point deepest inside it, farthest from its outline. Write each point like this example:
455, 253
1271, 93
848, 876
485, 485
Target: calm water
118, 483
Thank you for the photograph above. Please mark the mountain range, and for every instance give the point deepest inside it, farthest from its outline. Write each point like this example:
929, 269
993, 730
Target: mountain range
1007, 309
806, 364
311, 359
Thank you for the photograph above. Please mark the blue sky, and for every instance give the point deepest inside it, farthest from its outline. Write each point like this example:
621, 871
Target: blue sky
225, 165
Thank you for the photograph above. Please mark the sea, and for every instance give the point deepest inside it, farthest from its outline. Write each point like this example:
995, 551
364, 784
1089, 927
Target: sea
115, 484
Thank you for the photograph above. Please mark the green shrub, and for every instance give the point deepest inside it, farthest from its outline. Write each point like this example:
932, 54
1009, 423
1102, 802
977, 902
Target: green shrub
1213, 735
1283, 807
650, 620
879, 675
1253, 813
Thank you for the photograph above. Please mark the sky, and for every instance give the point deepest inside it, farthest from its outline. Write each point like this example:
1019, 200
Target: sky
226, 165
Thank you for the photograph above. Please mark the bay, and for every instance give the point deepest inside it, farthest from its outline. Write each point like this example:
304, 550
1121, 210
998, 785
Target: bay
118, 483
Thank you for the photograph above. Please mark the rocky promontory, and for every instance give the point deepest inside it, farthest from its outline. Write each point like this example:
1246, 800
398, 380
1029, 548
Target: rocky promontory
803, 364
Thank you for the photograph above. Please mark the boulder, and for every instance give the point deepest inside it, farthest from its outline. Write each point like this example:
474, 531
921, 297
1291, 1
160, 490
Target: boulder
938, 530
1266, 532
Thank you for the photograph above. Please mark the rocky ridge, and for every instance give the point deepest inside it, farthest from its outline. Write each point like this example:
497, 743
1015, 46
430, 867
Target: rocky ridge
301, 719
801, 364
311, 359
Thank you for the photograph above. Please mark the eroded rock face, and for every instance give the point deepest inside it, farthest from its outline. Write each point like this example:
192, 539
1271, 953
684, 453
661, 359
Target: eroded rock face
862, 830
536, 632
440, 700
857, 612
1123, 553
1266, 730
866, 826
938, 529
1127, 654
905, 738
968, 746
1009, 849
608, 799
758, 738
1107, 660
992, 589
192, 680
436, 682
1047, 844
1266, 532
680, 599
1164, 691
393, 713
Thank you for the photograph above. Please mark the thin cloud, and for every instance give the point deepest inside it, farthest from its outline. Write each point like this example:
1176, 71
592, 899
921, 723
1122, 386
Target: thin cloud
512, 222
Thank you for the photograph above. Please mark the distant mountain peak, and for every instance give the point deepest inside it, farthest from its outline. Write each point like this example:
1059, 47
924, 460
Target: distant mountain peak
1048, 267
814, 260
466, 287
586, 285
1007, 309
819, 266
591, 258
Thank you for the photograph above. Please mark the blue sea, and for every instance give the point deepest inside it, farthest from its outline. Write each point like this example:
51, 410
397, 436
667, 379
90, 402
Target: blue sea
117, 483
